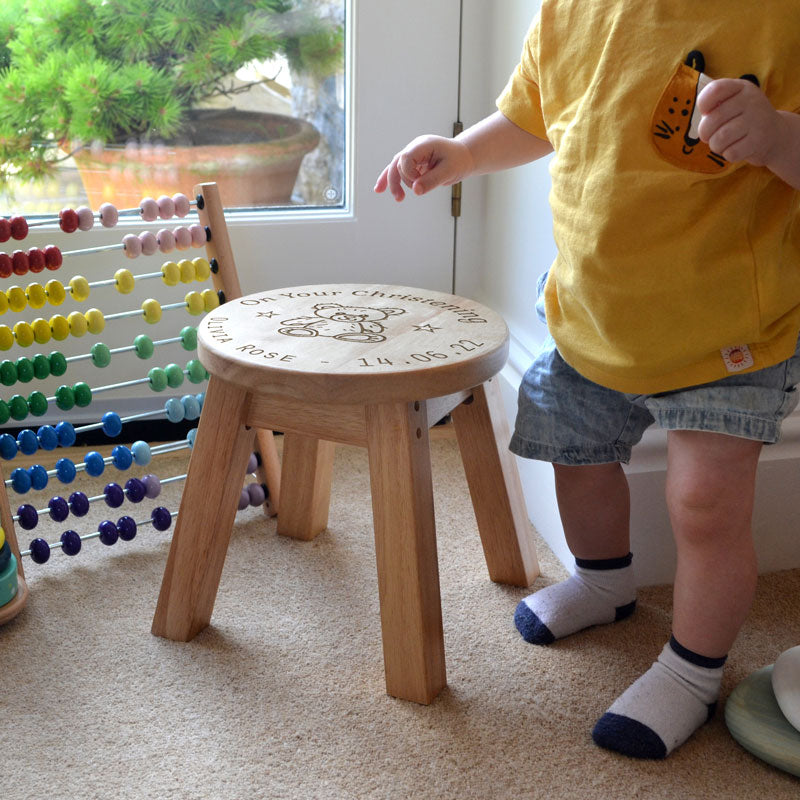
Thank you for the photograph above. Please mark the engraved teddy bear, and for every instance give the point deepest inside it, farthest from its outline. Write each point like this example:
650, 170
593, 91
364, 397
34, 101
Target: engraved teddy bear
346, 323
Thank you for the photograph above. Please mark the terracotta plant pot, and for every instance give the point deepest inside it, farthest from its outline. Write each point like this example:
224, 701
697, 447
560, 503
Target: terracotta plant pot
253, 157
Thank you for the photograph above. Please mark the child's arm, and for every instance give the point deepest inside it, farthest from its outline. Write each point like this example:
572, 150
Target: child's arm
740, 123
490, 145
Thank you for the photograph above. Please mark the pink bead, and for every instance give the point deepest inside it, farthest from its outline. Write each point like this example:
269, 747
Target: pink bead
149, 243
244, 500
166, 207
257, 494
166, 240
198, 235
85, 218
183, 238
252, 464
182, 204
132, 245
149, 209
109, 216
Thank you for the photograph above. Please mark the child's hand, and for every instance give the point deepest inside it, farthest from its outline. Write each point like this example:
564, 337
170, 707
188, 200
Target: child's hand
424, 164
739, 122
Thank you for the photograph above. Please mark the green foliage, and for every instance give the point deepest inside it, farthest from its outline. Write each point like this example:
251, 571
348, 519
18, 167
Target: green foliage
76, 71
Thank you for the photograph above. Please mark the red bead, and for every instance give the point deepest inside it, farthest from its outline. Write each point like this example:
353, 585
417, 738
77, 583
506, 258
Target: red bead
19, 262
52, 257
19, 227
36, 260
68, 219
6, 265
5, 229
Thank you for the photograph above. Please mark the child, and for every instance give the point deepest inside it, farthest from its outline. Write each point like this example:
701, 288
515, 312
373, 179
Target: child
674, 299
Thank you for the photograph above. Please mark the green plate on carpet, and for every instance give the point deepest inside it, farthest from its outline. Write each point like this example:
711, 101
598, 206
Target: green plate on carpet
757, 723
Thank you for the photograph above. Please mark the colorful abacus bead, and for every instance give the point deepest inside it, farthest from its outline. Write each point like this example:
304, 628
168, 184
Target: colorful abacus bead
18, 227
114, 495
85, 218
58, 508
5, 229
109, 216
40, 551
70, 543
126, 527
108, 532
65, 470
79, 504
142, 456
152, 486
68, 220
6, 266
94, 464
52, 257
28, 517
161, 518
135, 490
39, 477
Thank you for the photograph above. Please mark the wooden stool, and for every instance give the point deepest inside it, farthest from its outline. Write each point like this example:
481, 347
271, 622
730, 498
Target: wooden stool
369, 365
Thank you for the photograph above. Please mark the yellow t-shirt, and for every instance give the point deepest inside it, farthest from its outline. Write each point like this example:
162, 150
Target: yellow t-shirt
674, 267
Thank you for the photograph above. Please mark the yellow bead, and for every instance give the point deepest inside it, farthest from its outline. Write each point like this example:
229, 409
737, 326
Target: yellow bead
202, 269
77, 324
125, 281
171, 273
41, 330
195, 304
2, 537
79, 288
37, 297
210, 299
59, 326
55, 292
17, 299
3, 303
152, 310
187, 270
95, 320
6, 338
23, 333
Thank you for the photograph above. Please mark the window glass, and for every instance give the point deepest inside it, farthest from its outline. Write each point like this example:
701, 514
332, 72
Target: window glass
116, 100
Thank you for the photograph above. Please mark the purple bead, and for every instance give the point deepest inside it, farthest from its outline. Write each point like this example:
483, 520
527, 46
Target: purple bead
79, 503
161, 517
28, 517
108, 532
244, 500
70, 543
40, 551
115, 496
252, 464
152, 486
257, 494
126, 526
135, 489
59, 509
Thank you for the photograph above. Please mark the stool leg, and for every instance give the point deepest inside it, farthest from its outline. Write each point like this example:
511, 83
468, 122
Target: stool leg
205, 518
494, 485
306, 475
405, 548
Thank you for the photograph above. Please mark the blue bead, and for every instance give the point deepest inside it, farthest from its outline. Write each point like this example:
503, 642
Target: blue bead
38, 476
65, 470
8, 446
66, 434
191, 436
126, 526
79, 503
20, 480
135, 489
122, 457
141, 453
174, 409
201, 398
27, 441
94, 463
161, 518
28, 517
48, 438
108, 532
115, 497
191, 406
112, 424
40, 551
59, 508
70, 543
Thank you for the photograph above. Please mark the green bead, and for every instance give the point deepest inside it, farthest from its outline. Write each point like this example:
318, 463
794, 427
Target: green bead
8, 372
24, 370
101, 355
158, 379
83, 394
144, 346
5, 412
197, 372
174, 375
189, 338
58, 363
41, 366
65, 397
37, 403
18, 407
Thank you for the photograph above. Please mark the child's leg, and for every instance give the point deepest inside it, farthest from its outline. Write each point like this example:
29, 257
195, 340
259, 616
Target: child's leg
594, 505
710, 493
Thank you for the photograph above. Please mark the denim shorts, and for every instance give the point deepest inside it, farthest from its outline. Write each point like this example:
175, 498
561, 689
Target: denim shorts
566, 419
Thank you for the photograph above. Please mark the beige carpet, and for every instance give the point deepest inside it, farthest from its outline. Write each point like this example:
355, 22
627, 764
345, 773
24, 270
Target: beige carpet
283, 697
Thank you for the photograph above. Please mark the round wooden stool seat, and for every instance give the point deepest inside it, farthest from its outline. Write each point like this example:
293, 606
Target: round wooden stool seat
353, 343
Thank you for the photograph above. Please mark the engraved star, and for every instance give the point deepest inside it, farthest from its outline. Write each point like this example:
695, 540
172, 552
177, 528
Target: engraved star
426, 327
267, 314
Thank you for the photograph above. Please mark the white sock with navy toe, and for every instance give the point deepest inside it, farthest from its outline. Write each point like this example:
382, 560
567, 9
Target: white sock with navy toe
600, 591
664, 707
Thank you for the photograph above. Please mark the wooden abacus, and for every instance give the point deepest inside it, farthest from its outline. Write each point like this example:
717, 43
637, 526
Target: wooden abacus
79, 396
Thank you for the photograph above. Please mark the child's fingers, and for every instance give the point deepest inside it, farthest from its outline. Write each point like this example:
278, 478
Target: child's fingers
719, 91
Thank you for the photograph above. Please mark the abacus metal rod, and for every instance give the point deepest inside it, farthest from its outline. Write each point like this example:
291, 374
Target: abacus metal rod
125, 349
